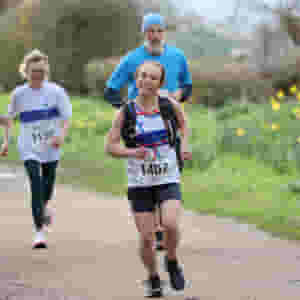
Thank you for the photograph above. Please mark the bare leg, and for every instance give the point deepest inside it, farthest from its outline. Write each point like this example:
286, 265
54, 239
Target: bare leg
145, 224
171, 212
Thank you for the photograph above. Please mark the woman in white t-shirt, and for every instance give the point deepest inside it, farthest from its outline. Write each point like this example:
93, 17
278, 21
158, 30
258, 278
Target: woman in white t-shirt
44, 110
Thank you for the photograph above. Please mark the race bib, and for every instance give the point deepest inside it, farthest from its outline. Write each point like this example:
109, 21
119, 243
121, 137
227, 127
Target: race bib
155, 165
41, 135
155, 169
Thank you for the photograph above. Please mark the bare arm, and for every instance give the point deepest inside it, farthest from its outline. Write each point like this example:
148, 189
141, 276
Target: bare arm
183, 128
65, 128
7, 131
113, 141
4, 120
4, 147
182, 120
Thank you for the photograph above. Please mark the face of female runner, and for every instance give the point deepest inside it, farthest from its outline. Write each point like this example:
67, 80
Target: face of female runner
149, 79
36, 73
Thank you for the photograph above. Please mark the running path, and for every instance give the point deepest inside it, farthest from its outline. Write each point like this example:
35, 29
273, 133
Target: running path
93, 251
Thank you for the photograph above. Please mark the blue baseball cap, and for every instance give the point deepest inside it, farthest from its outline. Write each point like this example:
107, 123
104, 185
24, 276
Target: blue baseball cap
153, 19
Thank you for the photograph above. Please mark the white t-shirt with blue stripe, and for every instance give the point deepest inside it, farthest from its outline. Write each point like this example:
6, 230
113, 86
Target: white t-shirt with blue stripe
160, 165
41, 112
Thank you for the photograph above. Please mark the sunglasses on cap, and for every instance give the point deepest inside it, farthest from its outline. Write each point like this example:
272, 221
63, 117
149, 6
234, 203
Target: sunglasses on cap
38, 71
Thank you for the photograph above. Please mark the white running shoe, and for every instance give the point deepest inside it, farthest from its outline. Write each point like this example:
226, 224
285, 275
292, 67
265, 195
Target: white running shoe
39, 241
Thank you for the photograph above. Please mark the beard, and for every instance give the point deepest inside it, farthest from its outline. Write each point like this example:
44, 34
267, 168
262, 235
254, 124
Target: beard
155, 47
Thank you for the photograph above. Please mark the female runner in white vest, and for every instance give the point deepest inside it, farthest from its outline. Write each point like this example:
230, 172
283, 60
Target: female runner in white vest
44, 110
147, 188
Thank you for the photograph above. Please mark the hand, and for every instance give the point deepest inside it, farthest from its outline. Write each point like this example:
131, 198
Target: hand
139, 153
186, 154
4, 149
57, 141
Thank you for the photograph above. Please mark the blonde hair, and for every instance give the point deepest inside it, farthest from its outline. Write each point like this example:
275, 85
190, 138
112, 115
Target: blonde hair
34, 56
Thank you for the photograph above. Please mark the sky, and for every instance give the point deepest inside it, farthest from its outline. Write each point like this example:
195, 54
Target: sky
218, 10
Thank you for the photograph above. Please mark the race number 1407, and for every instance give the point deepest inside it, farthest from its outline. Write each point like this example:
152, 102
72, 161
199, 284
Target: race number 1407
154, 169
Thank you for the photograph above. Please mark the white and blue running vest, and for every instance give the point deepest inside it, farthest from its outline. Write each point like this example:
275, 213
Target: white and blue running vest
160, 165
40, 112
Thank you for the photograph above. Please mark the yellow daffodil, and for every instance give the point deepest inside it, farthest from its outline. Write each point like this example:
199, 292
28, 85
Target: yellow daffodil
296, 110
240, 132
275, 127
280, 94
293, 89
275, 106
80, 124
298, 140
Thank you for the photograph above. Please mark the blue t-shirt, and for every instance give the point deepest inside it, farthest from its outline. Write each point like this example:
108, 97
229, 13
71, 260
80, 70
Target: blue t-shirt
173, 59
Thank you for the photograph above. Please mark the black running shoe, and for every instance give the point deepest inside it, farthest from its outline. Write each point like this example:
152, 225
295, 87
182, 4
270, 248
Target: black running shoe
177, 280
153, 287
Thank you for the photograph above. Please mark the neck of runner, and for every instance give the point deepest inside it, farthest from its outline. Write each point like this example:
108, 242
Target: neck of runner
148, 104
154, 50
35, 84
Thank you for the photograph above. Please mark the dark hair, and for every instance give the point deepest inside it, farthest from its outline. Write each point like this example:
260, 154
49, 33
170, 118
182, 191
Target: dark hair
157, 64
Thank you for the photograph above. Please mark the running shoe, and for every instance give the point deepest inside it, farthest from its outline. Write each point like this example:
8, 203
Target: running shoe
175, 271
39, 241
153, 288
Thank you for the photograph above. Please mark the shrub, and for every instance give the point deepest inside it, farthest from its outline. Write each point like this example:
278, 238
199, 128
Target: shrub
97, 72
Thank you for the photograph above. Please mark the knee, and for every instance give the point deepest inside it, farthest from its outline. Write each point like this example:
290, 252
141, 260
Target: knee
170, 225
147, 239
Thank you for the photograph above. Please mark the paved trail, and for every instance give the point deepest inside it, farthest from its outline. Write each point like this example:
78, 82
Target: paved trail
92, 252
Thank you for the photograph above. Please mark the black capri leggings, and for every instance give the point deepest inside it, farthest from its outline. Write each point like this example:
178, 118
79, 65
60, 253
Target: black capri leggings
42, 179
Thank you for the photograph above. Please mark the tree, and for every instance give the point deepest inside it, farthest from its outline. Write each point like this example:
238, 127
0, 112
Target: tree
5, 4
70, 32
285, 11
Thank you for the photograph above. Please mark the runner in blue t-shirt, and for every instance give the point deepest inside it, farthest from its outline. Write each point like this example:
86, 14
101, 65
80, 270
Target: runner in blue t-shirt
178, 82
178, 79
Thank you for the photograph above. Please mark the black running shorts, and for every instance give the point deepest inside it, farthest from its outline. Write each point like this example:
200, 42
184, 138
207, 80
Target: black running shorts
145, 199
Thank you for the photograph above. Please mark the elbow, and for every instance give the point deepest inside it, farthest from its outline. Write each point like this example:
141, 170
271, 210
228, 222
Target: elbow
113, 97
9, 123
107, 149
186, 92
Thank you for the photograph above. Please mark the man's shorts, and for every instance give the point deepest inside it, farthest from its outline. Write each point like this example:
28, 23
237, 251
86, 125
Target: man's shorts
145, 199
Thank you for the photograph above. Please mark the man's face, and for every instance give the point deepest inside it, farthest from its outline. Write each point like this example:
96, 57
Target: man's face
155, 36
